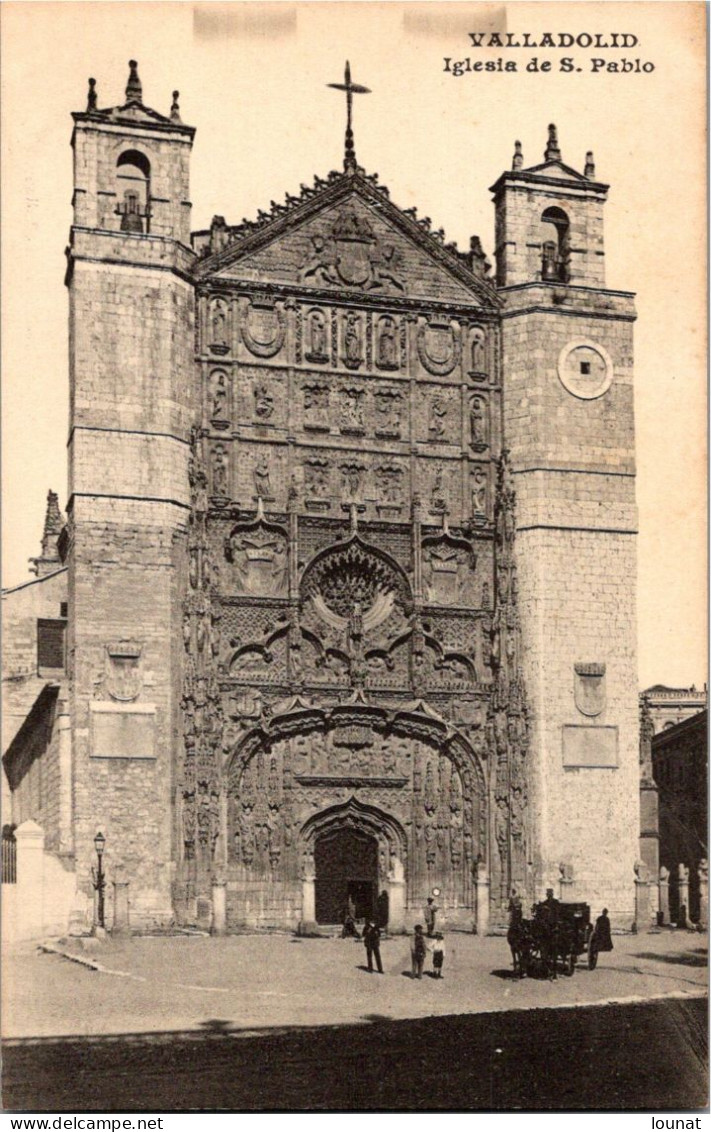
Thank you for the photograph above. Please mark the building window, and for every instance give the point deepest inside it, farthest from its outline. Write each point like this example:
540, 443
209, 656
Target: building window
50, 643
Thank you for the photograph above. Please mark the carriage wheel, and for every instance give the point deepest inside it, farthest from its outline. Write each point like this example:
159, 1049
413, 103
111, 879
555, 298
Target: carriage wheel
592, 958
570, 965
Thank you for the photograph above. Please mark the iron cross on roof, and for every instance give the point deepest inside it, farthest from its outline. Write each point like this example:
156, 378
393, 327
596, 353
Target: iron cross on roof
349, 161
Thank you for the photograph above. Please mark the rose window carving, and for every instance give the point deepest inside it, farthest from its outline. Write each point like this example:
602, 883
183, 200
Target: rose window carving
354, 580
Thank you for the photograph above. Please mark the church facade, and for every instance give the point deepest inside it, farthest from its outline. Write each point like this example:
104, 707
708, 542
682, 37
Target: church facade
350, 546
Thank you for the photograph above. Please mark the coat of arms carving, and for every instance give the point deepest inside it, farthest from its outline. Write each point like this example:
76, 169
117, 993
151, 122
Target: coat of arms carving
590, 691
123, 679
258, 553
352, 254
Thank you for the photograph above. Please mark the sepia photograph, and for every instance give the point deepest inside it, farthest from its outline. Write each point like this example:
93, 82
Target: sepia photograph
354, 575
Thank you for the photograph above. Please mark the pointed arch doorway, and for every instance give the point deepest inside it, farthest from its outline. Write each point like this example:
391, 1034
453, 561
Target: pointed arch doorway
353, 853
346, 867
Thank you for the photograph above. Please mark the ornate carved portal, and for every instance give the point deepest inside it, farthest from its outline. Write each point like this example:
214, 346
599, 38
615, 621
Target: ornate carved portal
409, 784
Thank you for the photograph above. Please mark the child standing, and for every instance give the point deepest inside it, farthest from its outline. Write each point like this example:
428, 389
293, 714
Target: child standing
438, 955
419, 951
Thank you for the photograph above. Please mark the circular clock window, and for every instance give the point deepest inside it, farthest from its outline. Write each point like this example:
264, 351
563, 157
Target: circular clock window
585, 369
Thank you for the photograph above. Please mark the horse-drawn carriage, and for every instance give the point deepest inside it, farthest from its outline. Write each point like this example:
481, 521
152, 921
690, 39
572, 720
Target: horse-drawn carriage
556, 933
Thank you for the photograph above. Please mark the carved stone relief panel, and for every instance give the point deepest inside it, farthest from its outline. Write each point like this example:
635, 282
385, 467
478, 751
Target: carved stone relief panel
316, 399
436, 490
317, 482
259, 396
438, 423
347, 252
263, 397
256, 653
389, 486
352, 479
448, 570
388, 412
351, 417
257, 552
260, 474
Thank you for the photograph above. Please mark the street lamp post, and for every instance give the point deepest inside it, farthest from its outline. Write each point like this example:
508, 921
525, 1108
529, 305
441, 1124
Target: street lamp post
99, 879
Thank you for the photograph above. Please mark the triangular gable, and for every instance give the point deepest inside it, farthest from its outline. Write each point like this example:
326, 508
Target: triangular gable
556, 169
349, 237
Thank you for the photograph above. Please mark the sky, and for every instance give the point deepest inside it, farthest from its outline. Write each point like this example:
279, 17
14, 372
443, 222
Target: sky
253, 80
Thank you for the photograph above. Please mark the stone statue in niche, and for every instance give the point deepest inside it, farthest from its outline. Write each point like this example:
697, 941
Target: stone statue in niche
351, 418
477, 350
438, 418
438, 500
478, 423
219, 471
316, 406
219, 396
263, 401
262, 482
388, 483
387, 345
388, 404
318, 345
479, 484
352, 340
352, 475
316, 477
218, 324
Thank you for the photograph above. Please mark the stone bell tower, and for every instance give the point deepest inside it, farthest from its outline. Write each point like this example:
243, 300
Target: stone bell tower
131, 336
569, 429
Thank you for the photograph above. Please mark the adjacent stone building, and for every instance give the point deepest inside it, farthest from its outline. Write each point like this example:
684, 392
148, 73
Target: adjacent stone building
680, 765
668, 706
350, 545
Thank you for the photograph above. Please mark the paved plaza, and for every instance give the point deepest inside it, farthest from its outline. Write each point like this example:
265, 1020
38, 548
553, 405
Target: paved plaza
191, 983
253, 1023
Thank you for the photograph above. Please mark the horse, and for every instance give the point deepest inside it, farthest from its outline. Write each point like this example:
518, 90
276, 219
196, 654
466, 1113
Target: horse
519, 940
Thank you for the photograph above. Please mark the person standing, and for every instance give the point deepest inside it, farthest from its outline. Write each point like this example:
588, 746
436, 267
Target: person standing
438, 955
547, 915
603, 932
418, 952
430, 911
371, 939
